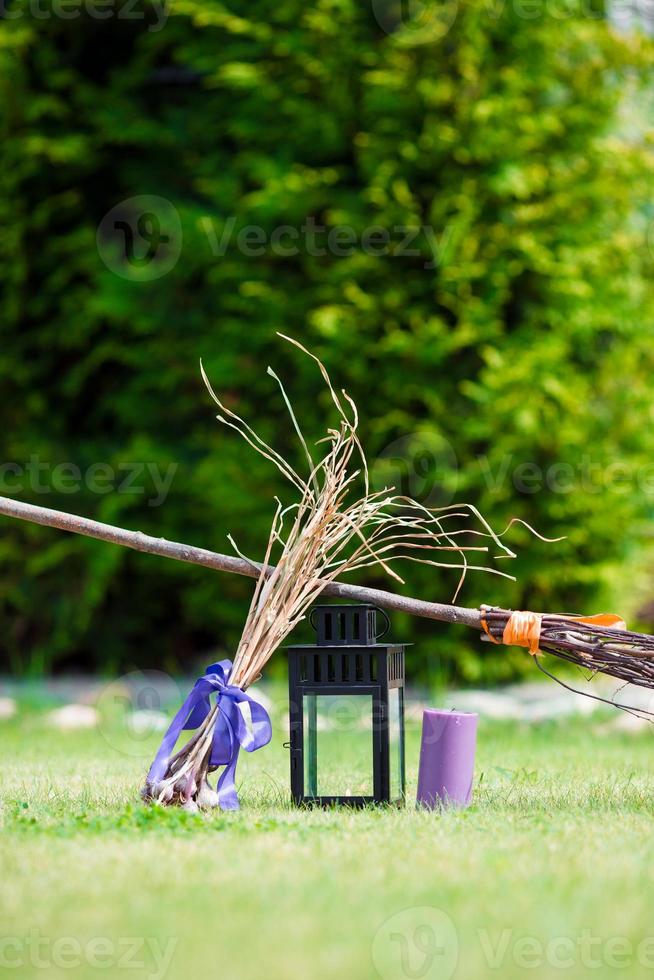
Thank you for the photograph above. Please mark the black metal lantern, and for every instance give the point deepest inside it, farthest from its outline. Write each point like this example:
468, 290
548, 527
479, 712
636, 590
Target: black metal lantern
346, 697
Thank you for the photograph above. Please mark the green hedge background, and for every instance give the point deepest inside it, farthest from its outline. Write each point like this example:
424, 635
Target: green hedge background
520, 335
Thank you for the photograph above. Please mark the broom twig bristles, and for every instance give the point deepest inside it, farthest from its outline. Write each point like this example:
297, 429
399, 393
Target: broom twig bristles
623, 654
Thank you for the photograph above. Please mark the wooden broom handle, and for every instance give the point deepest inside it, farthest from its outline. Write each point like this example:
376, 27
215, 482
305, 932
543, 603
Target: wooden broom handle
226, 563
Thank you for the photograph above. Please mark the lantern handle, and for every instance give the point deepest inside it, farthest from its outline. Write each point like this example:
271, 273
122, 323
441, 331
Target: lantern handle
388, 623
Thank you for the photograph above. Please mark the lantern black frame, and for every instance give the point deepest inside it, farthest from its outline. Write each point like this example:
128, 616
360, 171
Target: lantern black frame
346, 661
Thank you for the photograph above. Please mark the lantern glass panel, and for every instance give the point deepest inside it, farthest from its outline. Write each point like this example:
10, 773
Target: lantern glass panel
396, 761
338, 745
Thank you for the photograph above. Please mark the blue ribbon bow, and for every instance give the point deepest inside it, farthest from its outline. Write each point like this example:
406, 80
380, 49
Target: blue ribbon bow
231, 732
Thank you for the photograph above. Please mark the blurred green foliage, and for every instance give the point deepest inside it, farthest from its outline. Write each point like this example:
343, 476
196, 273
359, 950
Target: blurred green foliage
516, 335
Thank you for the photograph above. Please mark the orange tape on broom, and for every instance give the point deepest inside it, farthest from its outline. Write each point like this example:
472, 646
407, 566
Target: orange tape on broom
523, 628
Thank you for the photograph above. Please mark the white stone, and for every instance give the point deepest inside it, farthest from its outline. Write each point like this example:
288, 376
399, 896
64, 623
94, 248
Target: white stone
323, 724
413, 709
73, 717
633, 696
628, 723
488, 704
145, 721
8, 708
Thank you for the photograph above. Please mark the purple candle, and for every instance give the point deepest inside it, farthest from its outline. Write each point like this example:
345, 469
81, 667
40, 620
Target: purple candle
447, 758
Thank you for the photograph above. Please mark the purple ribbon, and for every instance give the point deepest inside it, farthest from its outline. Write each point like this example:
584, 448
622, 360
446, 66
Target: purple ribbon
231, 731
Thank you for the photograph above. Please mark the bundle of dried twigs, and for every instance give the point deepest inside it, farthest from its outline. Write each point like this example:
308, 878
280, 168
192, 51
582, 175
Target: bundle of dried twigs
596, 647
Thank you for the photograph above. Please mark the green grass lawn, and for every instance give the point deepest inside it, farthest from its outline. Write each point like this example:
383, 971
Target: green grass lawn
550, 873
